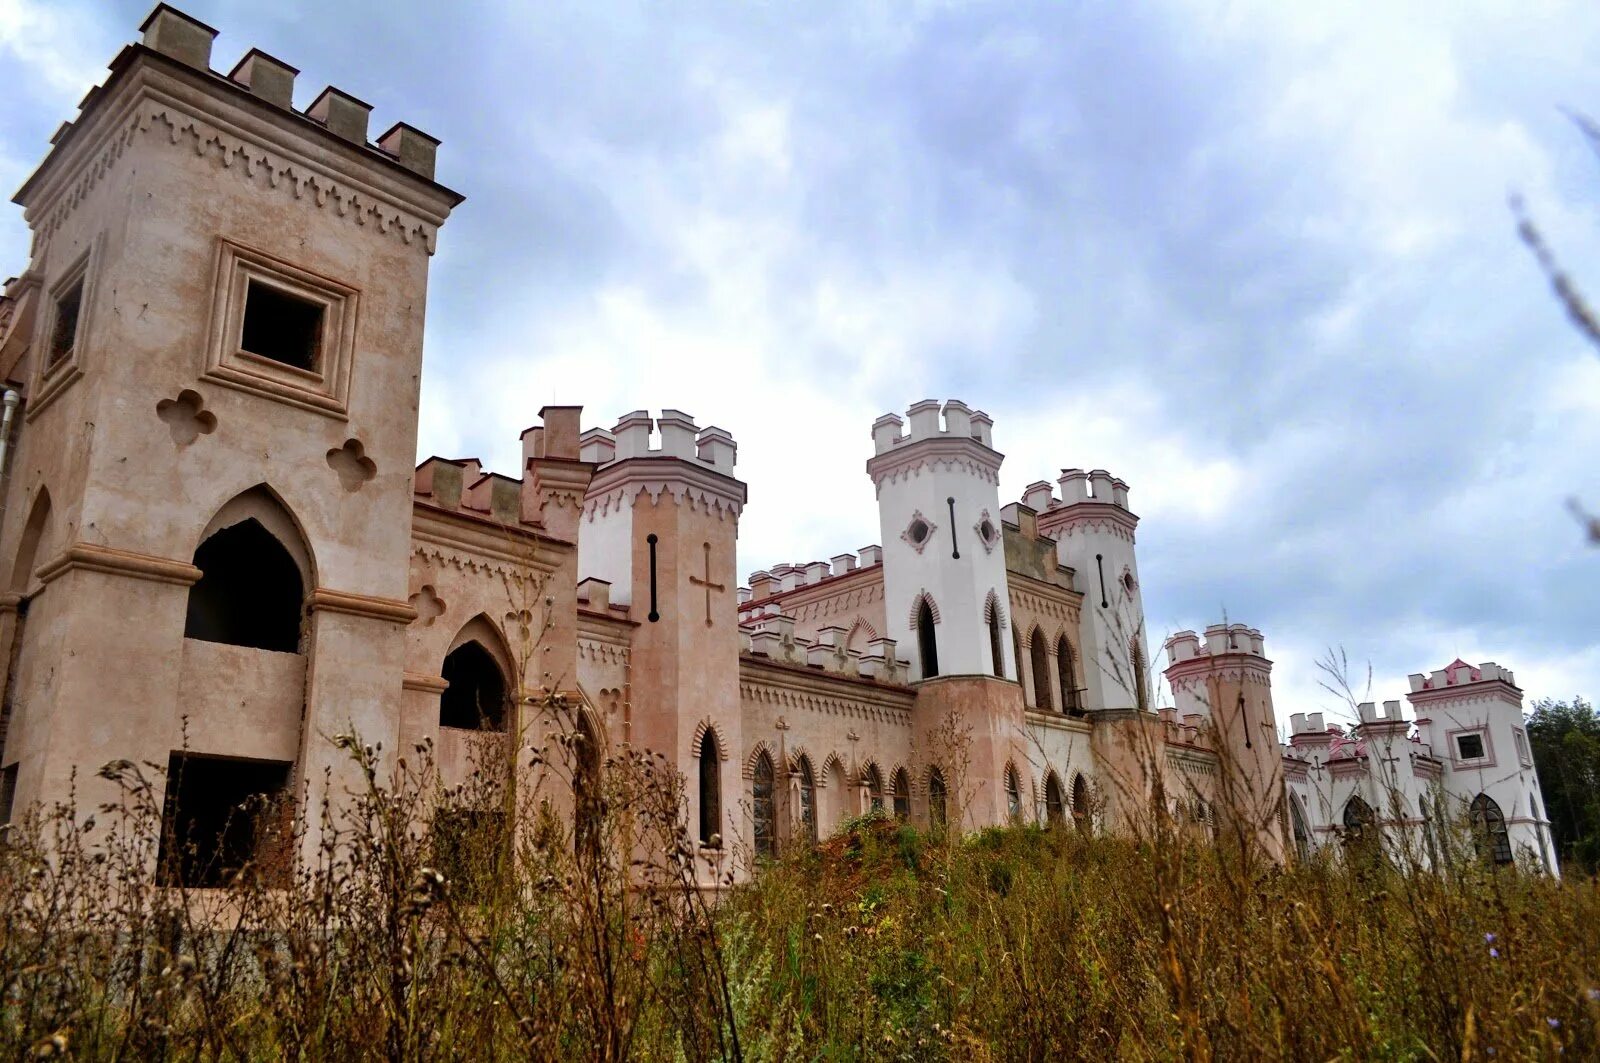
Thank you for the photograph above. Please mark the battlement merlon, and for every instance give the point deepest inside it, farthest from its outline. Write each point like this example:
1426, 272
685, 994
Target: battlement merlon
1220, 639
253, 99
1459, 673
929, 419
690, 462
1374, 718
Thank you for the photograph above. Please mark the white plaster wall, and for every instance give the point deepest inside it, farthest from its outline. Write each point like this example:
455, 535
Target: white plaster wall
605, 551
1102, 640
959, 586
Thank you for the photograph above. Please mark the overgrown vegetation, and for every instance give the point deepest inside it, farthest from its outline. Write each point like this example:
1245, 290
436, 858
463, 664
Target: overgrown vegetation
393, 942
1565, 739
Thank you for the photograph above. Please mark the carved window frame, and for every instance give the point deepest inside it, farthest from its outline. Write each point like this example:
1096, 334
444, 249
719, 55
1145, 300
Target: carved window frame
326, 389
51, 379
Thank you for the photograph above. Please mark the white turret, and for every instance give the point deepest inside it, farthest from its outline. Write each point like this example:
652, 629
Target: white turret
943, 558
1094, 533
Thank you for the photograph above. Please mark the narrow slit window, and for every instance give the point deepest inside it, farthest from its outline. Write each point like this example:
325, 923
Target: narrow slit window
282, 327
64, 336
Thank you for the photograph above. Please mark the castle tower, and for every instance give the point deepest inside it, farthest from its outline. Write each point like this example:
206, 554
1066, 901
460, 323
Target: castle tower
945, 592
1094, 533
1227, 683
939, 511
660, 525
1472, 718
209, 507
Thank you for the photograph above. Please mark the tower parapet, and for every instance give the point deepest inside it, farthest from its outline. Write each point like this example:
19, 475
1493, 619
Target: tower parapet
1224, 684
939, 512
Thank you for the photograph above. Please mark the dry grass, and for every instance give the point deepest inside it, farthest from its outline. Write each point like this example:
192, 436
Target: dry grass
392, 943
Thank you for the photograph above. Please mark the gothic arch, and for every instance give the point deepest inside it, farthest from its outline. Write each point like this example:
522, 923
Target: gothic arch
483, 630
798, 753
700, 730
993, 608
482, 680
34, 533
829, 763
916, 606
756, 751
861, 626
257, 572
1055, 802
1039, 665
267, 507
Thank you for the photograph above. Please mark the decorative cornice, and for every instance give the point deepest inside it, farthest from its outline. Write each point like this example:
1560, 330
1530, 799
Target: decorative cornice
347, 603
92, 557
1088, 516
621, 483
950, 453
427, 684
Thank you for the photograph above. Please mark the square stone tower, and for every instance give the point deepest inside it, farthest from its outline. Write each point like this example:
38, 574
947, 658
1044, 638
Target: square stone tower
219, 340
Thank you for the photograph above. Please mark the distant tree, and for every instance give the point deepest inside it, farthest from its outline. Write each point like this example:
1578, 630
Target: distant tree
1565, 737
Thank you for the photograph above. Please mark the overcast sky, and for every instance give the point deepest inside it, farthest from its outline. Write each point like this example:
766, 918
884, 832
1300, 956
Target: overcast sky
1255, 259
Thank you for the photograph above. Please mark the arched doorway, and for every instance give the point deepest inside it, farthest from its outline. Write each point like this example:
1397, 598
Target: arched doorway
1054, 810
764, 807
927, 640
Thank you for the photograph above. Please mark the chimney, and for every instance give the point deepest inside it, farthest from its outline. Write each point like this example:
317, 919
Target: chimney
560, 432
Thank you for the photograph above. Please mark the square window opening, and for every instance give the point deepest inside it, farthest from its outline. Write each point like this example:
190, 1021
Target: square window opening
1470, 746
222, 817
64, 336
282, 327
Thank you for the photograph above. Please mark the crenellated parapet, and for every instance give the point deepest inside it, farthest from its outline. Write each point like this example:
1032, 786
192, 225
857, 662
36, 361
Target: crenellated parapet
164, 88
933, 437
772, 636
652, 456
1093, 500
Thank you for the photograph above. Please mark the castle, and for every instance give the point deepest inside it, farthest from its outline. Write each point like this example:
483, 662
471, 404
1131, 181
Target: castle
220, 554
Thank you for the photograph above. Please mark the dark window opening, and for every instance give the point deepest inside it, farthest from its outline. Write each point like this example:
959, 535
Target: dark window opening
249, 592
587, 802
1360, 829
1054, 807
8, 792
1069, 676
1141, 691
282, 327
1080, 804
875, 788
927, 642
221, 817
475, 700
902, 795
1013, 796
64, 336
1470, 746
995, 653
765, 808
1041, 670
1302, 836
808, 800
469, 846
1489, 831
937, 802
710, 792
919, 531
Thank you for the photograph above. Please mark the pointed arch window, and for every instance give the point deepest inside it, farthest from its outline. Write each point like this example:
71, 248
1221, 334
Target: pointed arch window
996, 654
927, 641
808, 799
710, 791
1066, 666
1054, 811
475, 698
1039, 660
250, 592
1141, 692
938, 801
1360, 827
585, 787
1489, 831
764, 807
1302, 834
1013, 795
874, 781
1080, 804
902, 794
